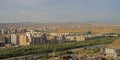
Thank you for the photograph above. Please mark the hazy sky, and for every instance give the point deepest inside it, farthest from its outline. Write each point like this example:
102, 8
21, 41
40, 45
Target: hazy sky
59, 10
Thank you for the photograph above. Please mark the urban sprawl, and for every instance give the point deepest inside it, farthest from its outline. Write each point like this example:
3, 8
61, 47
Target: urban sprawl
26, 34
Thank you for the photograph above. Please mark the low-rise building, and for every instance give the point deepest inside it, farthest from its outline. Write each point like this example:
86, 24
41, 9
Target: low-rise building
76, 38
113, 49
112, 52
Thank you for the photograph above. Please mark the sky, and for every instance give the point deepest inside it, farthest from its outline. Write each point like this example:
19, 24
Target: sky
45, 11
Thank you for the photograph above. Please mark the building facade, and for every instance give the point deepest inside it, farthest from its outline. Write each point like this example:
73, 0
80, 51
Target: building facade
23, 40
112, 52
14, 39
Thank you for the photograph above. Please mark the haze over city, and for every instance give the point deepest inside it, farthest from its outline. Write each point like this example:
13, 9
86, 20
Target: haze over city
45, 11
59, 29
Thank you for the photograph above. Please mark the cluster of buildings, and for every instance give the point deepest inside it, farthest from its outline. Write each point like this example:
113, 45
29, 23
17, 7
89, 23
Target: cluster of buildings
12, 30
25, 37
29, 38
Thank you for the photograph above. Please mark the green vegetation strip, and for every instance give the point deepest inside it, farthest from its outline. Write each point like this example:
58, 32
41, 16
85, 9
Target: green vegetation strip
27, 50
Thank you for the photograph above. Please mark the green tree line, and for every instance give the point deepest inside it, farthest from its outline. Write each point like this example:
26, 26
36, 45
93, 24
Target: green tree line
27, 50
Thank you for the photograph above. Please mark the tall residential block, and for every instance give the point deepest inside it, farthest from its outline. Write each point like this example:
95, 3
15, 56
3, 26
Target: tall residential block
23, 40
14, 39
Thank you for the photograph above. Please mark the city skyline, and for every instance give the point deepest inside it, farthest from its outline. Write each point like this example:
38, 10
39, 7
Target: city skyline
45, 11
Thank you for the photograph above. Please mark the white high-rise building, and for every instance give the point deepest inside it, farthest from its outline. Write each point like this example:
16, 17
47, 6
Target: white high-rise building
14, 39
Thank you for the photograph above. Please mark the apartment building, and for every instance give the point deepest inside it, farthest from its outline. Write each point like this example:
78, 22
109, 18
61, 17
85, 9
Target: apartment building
1, 38
14, 39
23, 40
